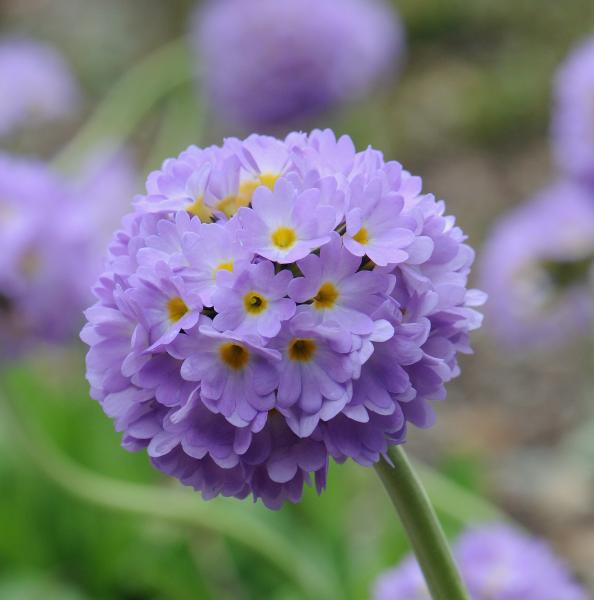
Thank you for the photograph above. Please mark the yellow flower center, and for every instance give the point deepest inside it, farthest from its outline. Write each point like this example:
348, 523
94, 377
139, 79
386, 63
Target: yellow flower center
176, 309
234, 355
362, 236
228, 206
224, 266
254, 303
284, 237
269, 180
326, 297
247, 189
200, 209
231, 204
302, 349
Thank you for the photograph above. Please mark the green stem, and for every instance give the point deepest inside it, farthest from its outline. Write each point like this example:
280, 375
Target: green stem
133, 96
422, 527
171, 505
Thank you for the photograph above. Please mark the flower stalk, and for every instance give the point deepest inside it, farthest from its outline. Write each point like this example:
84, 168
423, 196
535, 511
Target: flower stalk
422, 526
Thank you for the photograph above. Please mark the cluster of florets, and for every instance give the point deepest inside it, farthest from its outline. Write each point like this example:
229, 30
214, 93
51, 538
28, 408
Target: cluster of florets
267, 63
538, 268
36, 83
496, 562
273, 303
52, 237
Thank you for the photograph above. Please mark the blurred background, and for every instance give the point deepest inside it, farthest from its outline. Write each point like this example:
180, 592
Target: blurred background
469, 110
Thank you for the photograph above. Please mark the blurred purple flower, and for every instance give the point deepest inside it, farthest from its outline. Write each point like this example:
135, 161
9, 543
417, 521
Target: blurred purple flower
538, 268
271, 63
52, 236
38, 254
36, 83
404, 582
573, 113
497, 562
290, 362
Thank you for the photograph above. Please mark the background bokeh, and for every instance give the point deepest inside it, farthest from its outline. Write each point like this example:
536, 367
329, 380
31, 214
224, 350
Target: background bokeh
470, 113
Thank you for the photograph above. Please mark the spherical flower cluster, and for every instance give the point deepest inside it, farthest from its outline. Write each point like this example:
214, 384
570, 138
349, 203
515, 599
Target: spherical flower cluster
497, 563
267, 63
272, 303
573, 115
36, 83
538, 268
51, 244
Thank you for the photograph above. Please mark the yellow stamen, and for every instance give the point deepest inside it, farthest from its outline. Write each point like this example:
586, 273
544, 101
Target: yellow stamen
284, 237
254, 303
326, 297
269, 180
231, 204
176, 309
362, 236
234, 355
200, 209
302, 349
224, 266
246, 191
247, 188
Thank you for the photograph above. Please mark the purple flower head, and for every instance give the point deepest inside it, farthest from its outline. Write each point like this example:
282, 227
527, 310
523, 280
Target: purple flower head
263, 158
375, 226
52, 237
237, 376
253, 301
573, 115
269, 63
496, 562
203, 450
243, 345
286, 225
339, 291
167, 303
36, 82
225, 253
167, 242
538, 268
315, 375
